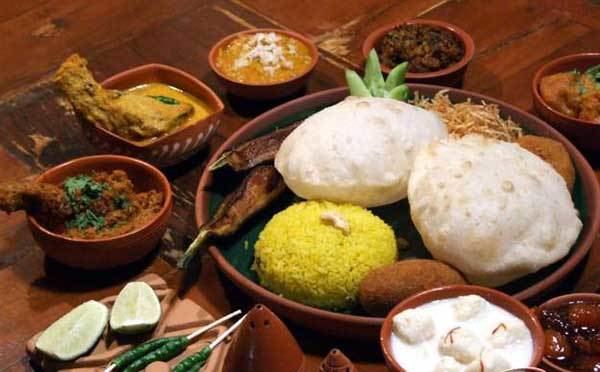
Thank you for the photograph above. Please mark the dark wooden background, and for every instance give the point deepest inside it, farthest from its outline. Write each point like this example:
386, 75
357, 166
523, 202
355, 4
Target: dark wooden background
512, 38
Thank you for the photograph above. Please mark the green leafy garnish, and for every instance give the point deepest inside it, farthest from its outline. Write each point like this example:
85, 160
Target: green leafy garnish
373, 83
80, 192
166, 100
86, 219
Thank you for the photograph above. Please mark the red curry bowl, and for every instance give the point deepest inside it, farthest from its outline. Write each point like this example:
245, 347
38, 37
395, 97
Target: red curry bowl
500, 299
111, 252
266, 91
584, 134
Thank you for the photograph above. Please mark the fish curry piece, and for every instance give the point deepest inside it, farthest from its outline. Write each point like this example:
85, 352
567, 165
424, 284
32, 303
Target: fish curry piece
133, 116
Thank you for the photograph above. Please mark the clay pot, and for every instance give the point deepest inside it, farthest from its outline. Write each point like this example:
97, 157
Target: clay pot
264, 344
585, 134
451, 76
497, 298
265, 91
120, 250
168, 149
336, 361
558, 302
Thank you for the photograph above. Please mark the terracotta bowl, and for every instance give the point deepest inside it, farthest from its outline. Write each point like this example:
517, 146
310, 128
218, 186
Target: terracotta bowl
497, 298
583, 133
366, 327
267, 91
107, 252
451, 76
560, 301
173, 147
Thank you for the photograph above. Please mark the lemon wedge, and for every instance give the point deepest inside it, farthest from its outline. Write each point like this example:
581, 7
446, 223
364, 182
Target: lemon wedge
75, 333
136, 309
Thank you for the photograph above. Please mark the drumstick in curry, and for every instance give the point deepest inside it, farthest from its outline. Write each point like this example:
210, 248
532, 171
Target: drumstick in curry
260, 187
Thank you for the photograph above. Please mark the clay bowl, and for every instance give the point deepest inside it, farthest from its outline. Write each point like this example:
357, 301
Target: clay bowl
107, 252
170, 148
497, 298
266, 91
451, 76
560, 301
358, 326
583, 133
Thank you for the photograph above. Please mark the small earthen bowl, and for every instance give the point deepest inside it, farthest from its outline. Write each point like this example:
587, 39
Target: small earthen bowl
557, 302
105, 253
451, 76
497, 298
266, 91
171, 148
583, 133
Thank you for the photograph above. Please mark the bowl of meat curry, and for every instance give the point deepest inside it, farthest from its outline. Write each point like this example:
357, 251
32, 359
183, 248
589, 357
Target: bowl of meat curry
153, 112
566, 93
94, 212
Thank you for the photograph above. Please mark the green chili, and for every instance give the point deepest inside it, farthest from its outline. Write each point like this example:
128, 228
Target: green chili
356, 85
164, 353
137, 352
396, 76
401, 92
166, 100
194, 362
373, 77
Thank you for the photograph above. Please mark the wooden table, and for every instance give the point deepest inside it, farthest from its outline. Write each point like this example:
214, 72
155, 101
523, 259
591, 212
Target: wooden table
512, 39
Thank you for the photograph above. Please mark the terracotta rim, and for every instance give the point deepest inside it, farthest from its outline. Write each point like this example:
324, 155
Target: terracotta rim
212, 55
583, 168
541, 72
494, 296
563, 300
147, 143
462, 35
153, 172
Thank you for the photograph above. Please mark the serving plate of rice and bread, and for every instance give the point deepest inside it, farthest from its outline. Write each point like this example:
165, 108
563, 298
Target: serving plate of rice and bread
332, 208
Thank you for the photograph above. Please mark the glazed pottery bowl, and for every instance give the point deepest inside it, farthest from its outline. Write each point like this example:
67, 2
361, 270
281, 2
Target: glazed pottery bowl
583, 133
106, 253
451, 76
234, 256
266, 91
558, 302
493, 296
173, 147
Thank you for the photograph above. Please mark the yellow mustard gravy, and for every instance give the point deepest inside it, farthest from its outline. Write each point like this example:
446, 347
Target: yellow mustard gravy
201, 108
263, 58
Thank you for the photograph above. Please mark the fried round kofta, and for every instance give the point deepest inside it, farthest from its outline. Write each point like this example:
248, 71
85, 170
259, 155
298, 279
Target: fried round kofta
386, 286
552, 152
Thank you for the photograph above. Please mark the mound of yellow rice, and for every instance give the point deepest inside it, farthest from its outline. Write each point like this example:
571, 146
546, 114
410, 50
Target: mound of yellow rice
305, 256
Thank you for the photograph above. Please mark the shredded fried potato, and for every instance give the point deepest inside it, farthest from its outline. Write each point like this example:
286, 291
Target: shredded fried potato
470, 118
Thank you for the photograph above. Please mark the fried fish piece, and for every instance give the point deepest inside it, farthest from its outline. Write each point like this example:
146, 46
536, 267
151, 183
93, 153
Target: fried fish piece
42, 198
257, 151
260, 187
127, 114
554, 153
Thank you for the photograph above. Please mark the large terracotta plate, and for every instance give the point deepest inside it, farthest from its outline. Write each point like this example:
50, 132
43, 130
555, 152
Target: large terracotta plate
234, 256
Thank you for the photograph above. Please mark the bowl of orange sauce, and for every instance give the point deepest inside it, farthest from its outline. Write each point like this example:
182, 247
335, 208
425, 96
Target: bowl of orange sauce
263, 63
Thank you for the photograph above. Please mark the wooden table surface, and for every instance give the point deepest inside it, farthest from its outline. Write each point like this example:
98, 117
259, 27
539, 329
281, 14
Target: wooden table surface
512, 39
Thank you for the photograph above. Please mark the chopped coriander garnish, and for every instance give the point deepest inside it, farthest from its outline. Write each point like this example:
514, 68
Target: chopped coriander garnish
166, 100
86, 219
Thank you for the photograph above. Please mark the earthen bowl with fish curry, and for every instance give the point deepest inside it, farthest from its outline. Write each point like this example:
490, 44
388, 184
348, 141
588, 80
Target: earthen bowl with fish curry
153, 112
